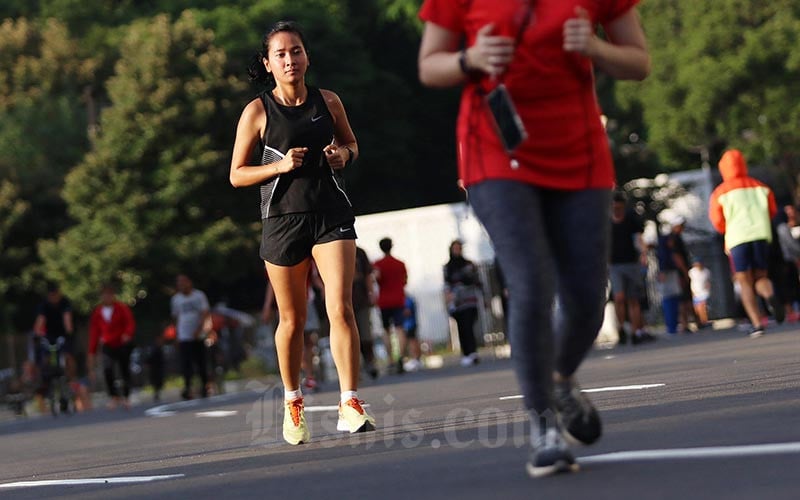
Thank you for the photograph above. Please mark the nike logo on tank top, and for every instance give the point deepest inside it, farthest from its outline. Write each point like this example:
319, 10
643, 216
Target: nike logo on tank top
314, 186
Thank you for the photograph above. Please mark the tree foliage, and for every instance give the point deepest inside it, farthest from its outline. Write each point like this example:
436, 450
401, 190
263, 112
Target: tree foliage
725, 74
12, 211
137, 198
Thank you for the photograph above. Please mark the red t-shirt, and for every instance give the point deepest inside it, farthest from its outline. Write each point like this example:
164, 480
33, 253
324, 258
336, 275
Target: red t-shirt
391, 280
553, 92
114, 333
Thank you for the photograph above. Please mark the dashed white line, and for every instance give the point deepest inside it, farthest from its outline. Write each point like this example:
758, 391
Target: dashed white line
601, 389
169, 409
624, 388
216, 413
312, 409
91, 480
708, 452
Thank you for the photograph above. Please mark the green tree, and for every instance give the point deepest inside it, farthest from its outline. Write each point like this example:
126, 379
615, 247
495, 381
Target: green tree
43, 134
724, 75
140, 198
12, 211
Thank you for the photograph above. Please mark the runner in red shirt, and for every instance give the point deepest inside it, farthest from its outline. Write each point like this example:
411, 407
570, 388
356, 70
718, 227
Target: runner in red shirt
111, 326
390, 273
545, 199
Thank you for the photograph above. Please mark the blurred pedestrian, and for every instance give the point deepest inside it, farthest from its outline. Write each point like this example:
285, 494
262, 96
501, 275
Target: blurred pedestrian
112, 328
671, 266
682, 264
81, 383
414, 362
700, 279
191, 313
462, 289
742, 209
305, 212
627, 268
156, 366
53, 321
363, 302
541, 190
391, 276
788, 230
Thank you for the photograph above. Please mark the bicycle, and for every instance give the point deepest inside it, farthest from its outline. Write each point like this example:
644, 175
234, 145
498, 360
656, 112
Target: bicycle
54, 377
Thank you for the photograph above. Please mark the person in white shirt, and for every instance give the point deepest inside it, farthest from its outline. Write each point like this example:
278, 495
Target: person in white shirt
191, 314
700, 279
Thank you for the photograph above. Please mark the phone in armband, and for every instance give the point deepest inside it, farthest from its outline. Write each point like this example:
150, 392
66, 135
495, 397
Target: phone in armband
506, 120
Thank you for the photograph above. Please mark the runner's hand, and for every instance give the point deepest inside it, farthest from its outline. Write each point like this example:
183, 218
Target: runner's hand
336, 156
579, 33
490, 54
292, 160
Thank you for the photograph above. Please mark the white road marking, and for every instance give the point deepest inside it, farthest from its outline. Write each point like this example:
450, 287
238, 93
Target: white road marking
92, 480
216, 413
709, 452
601, 389
312, 409
169, 409
624, 388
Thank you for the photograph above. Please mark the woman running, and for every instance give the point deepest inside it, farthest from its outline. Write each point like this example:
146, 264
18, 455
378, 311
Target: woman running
305, 140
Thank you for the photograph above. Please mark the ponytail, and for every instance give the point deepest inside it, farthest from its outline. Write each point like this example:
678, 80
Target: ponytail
257, 72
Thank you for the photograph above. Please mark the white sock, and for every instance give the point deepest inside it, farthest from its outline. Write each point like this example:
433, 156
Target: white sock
290, 395
348, 395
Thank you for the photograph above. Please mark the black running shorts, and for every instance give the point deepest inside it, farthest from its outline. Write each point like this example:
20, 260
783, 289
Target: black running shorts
287, 240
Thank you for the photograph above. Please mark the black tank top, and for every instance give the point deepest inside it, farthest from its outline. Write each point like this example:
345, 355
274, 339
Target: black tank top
313, 187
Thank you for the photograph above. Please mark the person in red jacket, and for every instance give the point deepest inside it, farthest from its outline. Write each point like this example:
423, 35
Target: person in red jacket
112, 326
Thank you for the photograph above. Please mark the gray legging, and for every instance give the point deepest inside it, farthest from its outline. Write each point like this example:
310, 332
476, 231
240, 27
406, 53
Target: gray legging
548, 242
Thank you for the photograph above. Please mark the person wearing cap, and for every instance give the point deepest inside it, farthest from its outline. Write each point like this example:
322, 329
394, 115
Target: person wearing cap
741, 208
672, 266
683, 264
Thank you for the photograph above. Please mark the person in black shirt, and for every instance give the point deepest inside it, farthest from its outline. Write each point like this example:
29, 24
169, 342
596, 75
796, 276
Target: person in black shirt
53, 321
304, 139
54, 316
627, 261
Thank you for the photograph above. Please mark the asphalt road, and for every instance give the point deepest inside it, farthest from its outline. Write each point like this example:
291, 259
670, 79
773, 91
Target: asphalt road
706, 416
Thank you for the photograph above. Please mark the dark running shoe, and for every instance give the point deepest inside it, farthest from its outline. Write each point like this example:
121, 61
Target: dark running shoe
776, 309
755, 332
623, 336
642, 338
549, 453
579, 418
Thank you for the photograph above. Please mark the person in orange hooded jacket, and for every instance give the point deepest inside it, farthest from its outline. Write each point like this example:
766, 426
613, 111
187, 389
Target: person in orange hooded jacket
742, 208
112, 326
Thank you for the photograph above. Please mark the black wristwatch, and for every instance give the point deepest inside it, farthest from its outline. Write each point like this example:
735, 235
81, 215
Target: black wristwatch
462, 62
349, 158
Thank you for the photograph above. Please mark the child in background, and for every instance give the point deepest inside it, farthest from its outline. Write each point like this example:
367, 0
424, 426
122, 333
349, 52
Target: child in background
700, 278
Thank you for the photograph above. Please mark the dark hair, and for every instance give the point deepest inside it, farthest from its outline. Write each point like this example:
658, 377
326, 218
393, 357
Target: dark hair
258, 73
52, 287
386, 245
454, 243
